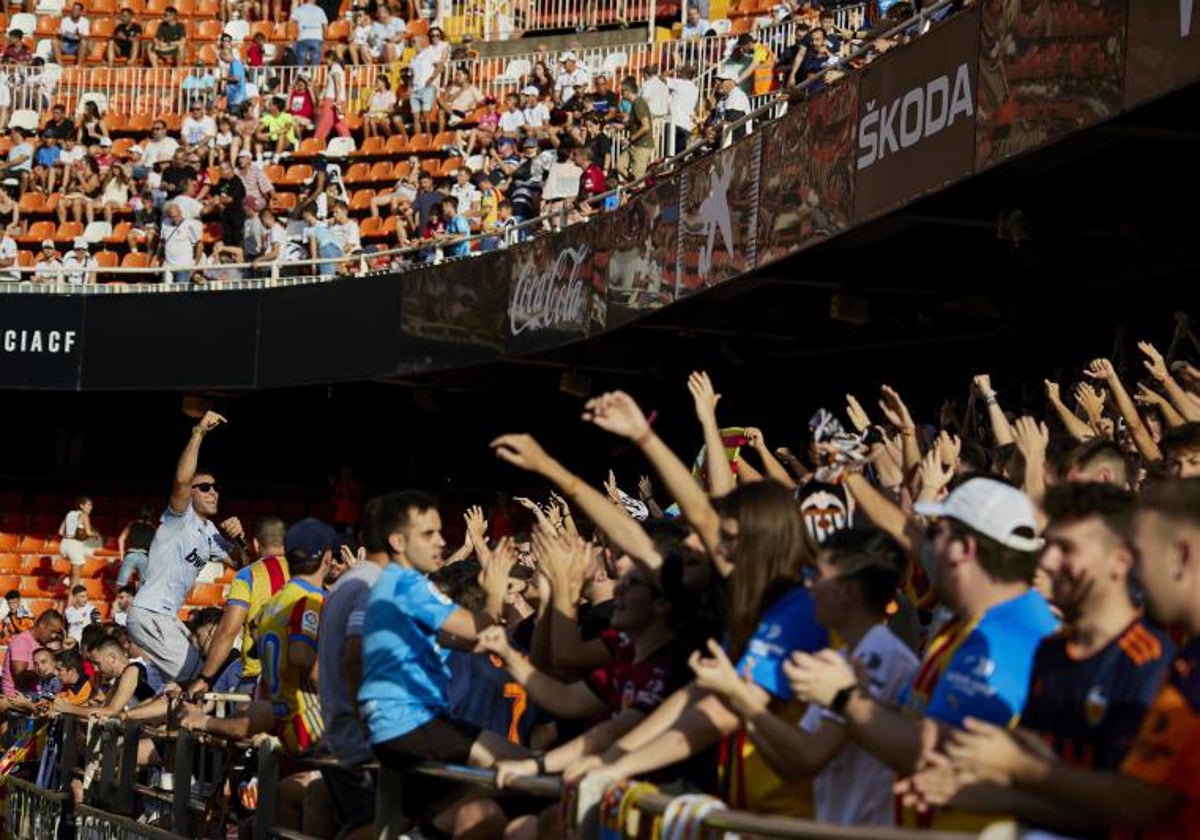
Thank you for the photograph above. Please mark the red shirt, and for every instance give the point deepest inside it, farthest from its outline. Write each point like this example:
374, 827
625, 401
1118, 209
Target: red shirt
300, 104
592, 182
254, 54
624, 684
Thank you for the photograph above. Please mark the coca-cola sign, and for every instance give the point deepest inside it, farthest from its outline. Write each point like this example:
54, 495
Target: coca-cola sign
916, 118
551, 297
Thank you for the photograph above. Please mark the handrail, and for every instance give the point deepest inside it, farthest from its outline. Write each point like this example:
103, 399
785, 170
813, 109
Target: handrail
559, 216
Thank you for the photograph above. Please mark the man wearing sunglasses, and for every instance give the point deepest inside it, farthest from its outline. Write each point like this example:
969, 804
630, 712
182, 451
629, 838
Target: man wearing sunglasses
186, 540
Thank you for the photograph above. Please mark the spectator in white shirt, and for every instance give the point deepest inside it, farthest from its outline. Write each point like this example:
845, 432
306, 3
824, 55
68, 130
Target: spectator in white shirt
48, 268
73, 31
466, 193
182, 243
425, 67
275, 241
571, 77
695, 26
9, 255
310, 37
685, 96
535, 112
658, 97
160, 148
388, 33
513, 118
199, 129
79, 266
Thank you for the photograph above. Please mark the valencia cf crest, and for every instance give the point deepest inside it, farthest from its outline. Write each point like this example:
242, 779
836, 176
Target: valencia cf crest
1095, 705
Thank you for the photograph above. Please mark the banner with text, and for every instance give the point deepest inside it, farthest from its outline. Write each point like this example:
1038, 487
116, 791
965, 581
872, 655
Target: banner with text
808, 173
1164, 48
454, 314
1047, 68
41, 341
916, 120
718, 217
553, 295
637, 255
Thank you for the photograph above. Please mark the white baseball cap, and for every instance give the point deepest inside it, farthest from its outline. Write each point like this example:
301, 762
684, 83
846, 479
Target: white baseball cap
727, 74
567, 56
531, 90
80, 242
992, 508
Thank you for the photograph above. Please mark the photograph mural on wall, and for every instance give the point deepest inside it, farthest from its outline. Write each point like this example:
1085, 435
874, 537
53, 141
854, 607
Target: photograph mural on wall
553, 297
718, 219
639, 249
1164, 48
808, 173
1046, 68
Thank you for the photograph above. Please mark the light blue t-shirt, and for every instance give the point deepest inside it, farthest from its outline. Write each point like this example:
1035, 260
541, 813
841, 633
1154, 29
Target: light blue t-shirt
405, 670
235, 91
459, 226
987, 676
790, 624
183, 544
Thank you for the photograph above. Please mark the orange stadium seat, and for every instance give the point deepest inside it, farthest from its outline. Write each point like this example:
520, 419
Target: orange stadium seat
361, 200
31, 543
338, 31
135, 259
107, 259
208, 8
381, 173
95, 588
98, 8
370, 146
102, 28
274, 173
9, 582
37, 232
47, 26
358, 173
397, 144
208, 30
40, 605
11, 563
263, 27
119, 234
284, 201
207, 595
67, 231
42, 586
310, 147
297, 174
369, 227
157, 7
32, 203
207, 54
185, 8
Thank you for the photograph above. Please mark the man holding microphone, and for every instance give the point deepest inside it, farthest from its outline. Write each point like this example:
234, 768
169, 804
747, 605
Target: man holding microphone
185, 541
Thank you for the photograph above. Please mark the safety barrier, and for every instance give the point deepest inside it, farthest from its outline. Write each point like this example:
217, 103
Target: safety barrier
33, 811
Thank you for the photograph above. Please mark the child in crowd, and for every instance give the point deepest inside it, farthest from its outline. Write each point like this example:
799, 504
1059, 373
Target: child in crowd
17, 619
79, 613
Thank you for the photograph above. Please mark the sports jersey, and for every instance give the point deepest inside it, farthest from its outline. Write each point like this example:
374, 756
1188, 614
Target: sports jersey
482, 692
292, 617
405, 673
1166, 752
980, 667
183, 544
623, 683
252, 588
855, 788
788, 625
79, 693
1089, 710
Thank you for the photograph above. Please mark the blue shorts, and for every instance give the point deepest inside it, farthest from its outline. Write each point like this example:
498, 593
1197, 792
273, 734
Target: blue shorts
69, 47
422, 98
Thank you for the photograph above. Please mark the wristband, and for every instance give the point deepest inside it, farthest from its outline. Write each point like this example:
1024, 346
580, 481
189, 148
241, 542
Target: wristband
540, 761
838, 704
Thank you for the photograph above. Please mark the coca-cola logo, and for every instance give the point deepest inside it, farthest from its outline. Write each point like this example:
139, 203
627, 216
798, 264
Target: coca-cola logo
551, 297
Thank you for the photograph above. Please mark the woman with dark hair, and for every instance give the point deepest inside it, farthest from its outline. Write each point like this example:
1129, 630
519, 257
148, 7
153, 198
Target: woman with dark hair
302, 107
756, 540
92, 126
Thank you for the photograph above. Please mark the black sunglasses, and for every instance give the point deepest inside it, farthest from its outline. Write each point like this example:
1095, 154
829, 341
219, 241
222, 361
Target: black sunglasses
205, 486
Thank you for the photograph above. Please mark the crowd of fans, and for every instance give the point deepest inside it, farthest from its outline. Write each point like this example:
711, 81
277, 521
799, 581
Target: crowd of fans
259, 174
925, 619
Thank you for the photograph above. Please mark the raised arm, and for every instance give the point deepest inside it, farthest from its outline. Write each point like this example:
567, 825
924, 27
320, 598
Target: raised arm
1103, 370
881, 510
565, 564
898, 415
616, 412
185, 470
493, 578
626, 534
1001, 431
1032, 438
720, 473
770, 463
1184, 406
1075, 427
568, 700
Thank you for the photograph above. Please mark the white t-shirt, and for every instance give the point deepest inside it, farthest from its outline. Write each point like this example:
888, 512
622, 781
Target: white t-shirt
196, 131
159, 151
78, 618
312, 22
183, 544
537, 116
8, 251
48, 271
657, 96
566, 82
179, 242
70, 524
276, 235
698, 31
467, 196
856, 788
685, 96
394, 29
423, 66
512, 122
73, 30
737, 101
190, 207
76, 270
